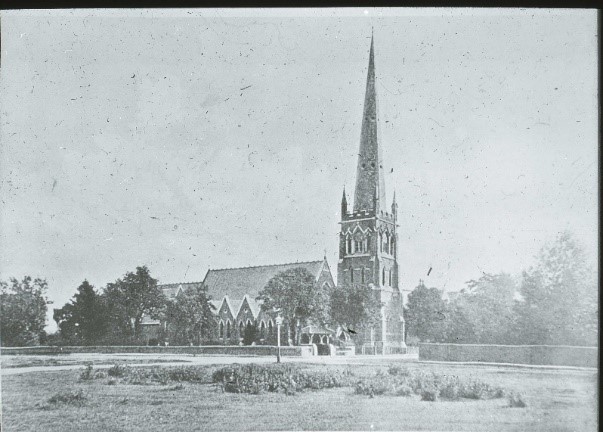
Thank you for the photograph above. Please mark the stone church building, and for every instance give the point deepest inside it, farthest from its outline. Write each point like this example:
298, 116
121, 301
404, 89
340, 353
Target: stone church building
368, 244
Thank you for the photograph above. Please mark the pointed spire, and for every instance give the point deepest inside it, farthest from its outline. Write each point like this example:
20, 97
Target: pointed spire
394, 205
370, 187
344, 204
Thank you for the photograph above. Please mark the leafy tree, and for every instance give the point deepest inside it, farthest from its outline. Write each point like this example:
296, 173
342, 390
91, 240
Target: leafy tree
425, 313
559, 297
298, 297
189, 316
250, 334
82, 321
483, 312
23, 306
129, 299
355, 307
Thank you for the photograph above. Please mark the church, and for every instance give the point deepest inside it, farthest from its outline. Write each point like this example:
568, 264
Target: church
368, 244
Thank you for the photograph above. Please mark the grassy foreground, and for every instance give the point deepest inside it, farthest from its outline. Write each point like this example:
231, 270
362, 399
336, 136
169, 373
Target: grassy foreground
557, 400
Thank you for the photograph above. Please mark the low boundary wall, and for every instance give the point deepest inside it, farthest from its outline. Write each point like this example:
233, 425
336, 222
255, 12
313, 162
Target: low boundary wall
557, 355
230, 350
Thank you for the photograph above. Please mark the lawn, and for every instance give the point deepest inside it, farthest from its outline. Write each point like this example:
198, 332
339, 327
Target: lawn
557, 400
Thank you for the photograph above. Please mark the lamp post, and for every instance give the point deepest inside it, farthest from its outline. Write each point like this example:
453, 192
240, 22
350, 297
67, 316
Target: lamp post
279, 321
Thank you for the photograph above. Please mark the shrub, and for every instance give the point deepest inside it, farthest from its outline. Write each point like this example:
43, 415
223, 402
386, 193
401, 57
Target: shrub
255, 379
76, 398
118, 370
190, 374
87, 374
450, 390
398, 370
516, 401
429, 394
403, 390
428, 385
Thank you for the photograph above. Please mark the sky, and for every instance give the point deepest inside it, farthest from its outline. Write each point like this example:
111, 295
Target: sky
193, 139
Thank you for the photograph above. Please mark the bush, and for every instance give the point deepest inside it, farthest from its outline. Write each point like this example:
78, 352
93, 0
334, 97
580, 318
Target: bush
428, 385
403, 390
430, 394
76, 398
255, 379
87, 374
398, 370
118, 370
516, 401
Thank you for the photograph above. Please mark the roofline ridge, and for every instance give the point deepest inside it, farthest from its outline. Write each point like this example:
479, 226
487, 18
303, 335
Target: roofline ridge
267, 265
179, 283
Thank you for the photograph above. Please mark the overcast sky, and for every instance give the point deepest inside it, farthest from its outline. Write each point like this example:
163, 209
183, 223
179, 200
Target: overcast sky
186, 140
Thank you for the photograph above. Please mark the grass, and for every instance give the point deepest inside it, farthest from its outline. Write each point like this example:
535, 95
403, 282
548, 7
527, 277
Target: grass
557, 400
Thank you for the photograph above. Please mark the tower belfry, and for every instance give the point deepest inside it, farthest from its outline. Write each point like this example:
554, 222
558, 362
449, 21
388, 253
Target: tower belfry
368, 239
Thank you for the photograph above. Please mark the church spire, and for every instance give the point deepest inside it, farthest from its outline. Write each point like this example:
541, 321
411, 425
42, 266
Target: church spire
370, 187
344, 204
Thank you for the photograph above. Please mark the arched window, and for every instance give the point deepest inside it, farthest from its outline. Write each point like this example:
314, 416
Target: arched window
358, 245
348, 244
270, 328
392, 245
241, 329
383, 276
263, 330
351, 275
386, 242
381, 242
221, 329
390, 277
228, 330
366, 243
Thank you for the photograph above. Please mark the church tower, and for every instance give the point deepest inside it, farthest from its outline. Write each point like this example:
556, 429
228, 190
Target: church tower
368, 240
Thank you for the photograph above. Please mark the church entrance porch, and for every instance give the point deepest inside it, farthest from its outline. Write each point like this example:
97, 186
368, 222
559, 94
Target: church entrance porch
319, 338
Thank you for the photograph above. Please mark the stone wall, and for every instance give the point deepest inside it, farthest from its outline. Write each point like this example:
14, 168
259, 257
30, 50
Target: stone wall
229, 350
515, 354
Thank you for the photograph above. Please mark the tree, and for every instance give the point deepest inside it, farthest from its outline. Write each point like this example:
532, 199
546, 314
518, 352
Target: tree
425, 313
559, 302
129, 299
82, 321
298, 297
189, 316
483, 312
355, 307
23, 306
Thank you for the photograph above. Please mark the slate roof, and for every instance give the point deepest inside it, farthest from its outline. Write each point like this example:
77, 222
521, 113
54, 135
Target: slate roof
217, 304
238, 282
170, 290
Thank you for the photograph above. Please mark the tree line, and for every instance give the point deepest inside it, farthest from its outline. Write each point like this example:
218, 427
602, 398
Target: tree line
554, 302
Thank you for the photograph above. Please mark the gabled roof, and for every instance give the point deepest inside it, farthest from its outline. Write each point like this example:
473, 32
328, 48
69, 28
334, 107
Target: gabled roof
238, 282
236, 306
216, 304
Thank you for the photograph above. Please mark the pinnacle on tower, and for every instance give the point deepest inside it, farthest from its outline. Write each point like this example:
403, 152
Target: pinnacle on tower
344, 204
370, 186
